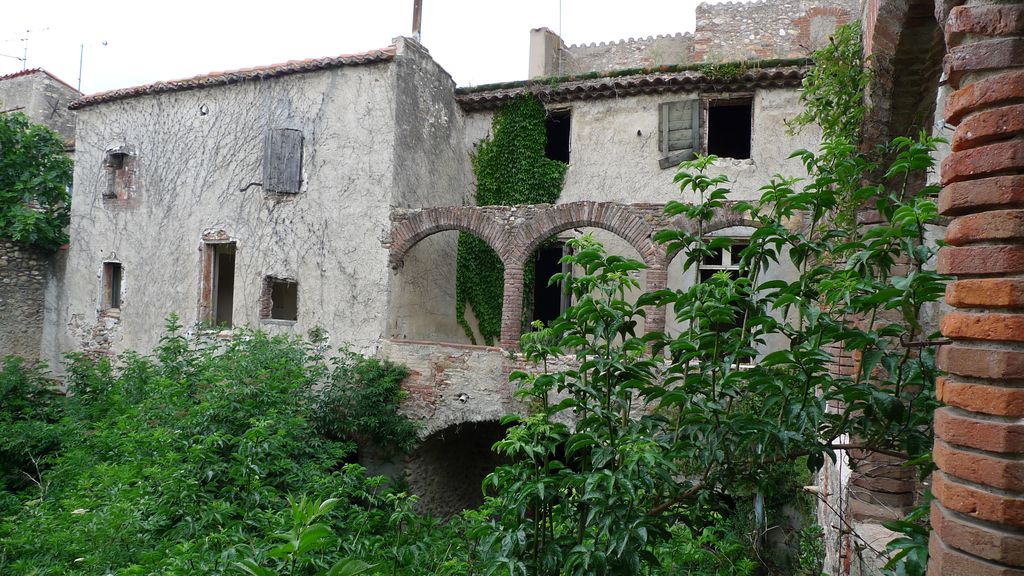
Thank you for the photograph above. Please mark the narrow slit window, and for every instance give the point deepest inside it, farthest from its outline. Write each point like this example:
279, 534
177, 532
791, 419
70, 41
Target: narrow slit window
118, 164
218, 297
557, 126
111, 286
550, 300
730, 128
280, 300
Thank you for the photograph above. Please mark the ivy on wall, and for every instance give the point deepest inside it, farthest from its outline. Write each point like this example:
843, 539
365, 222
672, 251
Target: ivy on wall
510, 168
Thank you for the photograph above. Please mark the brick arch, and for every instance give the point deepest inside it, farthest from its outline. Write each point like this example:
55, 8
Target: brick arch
721, 220
409, 231
619, 219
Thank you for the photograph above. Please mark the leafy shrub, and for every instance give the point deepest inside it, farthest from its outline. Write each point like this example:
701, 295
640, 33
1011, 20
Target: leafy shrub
35, 176
192, 461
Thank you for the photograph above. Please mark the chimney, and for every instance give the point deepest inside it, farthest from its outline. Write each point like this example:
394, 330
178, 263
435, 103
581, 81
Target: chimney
545, 52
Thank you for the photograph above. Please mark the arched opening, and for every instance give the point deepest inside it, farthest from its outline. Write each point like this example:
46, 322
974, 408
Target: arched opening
447, 469
544, 300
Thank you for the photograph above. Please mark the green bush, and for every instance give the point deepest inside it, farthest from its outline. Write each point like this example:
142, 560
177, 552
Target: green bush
188, 462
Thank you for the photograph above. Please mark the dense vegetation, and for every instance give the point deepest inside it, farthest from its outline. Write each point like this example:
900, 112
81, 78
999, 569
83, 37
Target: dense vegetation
35, 176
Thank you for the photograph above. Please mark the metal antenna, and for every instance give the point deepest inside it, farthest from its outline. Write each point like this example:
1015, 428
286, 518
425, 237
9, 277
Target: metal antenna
417, 18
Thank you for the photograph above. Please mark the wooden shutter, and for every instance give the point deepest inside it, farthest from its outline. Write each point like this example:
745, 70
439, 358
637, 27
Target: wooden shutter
679, 124
282, 161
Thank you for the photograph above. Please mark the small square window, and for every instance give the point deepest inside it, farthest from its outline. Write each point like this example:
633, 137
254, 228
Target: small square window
119, 164
111, 296
730, 128
280, 299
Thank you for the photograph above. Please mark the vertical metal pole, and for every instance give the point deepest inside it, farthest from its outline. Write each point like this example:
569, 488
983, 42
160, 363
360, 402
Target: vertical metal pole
417, 15
81, 54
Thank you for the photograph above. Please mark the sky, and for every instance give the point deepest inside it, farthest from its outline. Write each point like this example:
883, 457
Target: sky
131, 43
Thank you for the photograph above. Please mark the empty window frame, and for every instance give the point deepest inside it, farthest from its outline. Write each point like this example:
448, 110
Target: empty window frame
119, 165
730, 127
282, 161
679, 131
218, 290
726, 258
280, 299
110, 297
558, 126
550, 300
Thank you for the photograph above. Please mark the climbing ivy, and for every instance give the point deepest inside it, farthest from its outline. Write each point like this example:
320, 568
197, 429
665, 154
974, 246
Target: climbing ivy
510, 168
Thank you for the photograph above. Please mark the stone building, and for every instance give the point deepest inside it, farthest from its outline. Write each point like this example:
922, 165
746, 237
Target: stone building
329, 193
26, 272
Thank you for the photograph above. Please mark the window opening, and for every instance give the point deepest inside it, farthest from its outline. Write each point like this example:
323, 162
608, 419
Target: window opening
280, 299
223, 283
557, 126
679, 131
729, 128
118, 166
727, 259
111, 286
282, 162
549, 301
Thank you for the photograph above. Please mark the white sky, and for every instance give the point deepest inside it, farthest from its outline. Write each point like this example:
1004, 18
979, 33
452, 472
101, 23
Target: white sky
476, 41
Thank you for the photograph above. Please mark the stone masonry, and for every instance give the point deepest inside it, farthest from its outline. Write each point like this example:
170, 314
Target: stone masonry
23, 277
978, 514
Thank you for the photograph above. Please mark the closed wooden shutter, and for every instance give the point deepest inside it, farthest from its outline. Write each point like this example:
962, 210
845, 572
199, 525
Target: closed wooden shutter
679, 131
282, 162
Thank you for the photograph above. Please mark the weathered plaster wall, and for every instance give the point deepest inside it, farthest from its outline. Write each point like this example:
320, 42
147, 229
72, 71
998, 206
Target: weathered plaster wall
24, 273
42, 98
196, 152
615, 148
431, 168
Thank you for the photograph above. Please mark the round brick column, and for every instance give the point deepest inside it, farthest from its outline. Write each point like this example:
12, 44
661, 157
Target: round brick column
512, 307
656, 279
978, 514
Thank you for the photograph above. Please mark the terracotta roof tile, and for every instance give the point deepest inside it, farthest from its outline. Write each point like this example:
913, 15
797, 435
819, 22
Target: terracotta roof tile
235, 76
646, 82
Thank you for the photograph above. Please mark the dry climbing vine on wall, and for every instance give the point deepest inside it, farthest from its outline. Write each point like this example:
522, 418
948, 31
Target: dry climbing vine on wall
510, 168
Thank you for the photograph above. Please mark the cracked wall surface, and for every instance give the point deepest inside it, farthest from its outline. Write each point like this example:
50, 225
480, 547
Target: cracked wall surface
198, 153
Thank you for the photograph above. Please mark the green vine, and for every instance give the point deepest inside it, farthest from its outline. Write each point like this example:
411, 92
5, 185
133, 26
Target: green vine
833, 98
510, 168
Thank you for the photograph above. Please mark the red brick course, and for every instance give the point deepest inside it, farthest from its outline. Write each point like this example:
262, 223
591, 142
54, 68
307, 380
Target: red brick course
978, 539
992, 435
979, 467
981, 398
989, 126
977, 502
1004, 88
946, 561
990, 226
981, 362
983, 56
984, 194
987, 160
981, 260
984, 326
998, 20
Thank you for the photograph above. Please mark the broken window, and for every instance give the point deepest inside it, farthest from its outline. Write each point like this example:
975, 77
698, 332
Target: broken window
725, 258
218, 290
550, 300
111, 290
679, 124
280, 299
282, 161
557, 126
119, 165
729, 127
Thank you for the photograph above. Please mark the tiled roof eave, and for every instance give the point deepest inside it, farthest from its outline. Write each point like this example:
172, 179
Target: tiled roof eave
236, 76
617, 87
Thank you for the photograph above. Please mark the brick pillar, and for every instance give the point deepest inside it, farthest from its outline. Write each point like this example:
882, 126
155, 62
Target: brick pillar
978, 514
512, 307
657, 279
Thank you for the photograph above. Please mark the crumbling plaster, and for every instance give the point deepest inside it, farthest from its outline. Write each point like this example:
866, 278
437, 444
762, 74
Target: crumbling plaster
198, 153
